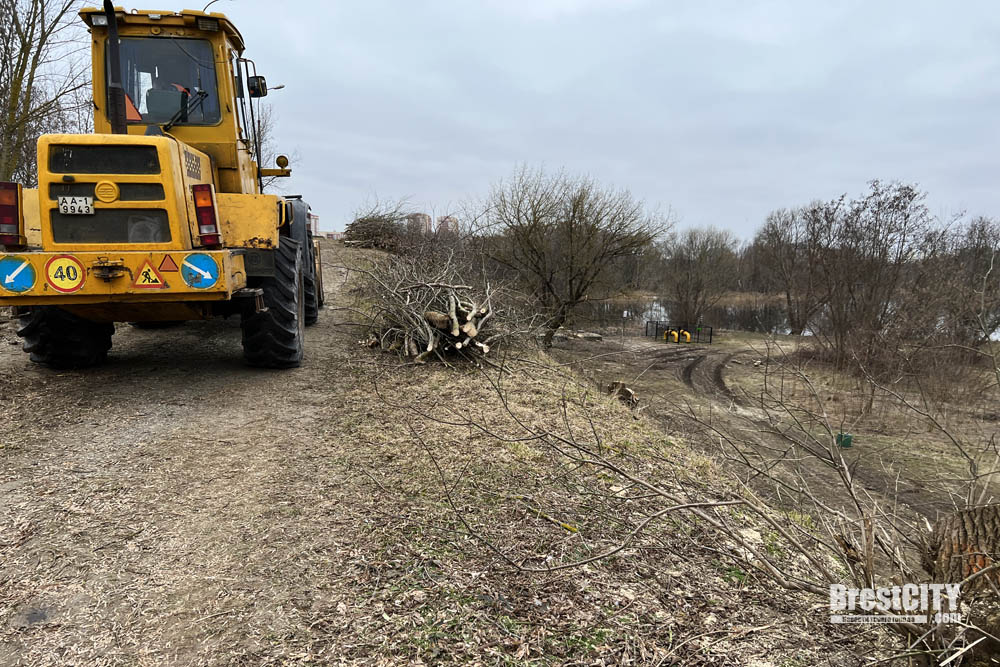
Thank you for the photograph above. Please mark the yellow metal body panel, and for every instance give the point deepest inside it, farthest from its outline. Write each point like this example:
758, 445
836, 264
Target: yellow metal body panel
175, 176
134, 281
245, 221
32, 223
249, 221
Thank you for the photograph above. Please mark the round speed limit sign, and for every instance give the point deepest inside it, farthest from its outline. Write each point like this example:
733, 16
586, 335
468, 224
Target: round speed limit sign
65, 273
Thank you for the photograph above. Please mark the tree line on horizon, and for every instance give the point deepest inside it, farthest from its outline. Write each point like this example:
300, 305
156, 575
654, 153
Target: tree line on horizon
859, 274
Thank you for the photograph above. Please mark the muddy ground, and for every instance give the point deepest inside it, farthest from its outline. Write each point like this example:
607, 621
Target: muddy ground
895, 458
176, 507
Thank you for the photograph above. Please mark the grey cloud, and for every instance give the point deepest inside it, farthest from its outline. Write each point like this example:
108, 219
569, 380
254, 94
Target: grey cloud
721, 111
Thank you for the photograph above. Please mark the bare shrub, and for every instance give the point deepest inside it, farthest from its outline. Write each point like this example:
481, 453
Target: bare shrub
971, 277
874, 527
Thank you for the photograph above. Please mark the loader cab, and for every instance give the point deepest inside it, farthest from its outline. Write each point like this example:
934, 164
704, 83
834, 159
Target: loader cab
182, 73
169, 80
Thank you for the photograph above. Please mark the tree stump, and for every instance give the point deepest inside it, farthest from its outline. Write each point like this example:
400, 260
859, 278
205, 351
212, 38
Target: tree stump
624, 394
963, 544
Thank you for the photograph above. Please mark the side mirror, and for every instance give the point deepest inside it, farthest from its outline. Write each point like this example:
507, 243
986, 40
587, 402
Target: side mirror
257, 86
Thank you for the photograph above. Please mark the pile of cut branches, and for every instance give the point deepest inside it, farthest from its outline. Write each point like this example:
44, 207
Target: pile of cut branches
379, 225
421, 308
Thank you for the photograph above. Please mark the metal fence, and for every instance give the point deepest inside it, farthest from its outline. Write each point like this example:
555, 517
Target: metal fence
679, 333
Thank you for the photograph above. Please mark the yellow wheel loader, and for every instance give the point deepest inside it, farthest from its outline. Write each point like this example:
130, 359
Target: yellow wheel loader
158, 216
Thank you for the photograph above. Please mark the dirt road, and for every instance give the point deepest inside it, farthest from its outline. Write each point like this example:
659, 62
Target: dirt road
138, 500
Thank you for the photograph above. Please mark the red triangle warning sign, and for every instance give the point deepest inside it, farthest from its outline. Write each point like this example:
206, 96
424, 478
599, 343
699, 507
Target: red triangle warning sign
148, 278
168, 264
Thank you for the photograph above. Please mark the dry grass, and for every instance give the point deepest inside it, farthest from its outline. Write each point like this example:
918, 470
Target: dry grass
176, 508
888, 434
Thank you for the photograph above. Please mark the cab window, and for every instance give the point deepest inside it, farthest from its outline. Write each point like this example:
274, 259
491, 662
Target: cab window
164, 77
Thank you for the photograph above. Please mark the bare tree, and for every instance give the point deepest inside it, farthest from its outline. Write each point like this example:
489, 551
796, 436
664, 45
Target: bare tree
267, 125
874, 255
39, 80
789, 248
560, 236
971, 276
700, 266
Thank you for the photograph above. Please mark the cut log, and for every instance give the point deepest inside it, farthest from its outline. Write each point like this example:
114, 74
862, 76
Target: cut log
469, 329
452, 304
438, 320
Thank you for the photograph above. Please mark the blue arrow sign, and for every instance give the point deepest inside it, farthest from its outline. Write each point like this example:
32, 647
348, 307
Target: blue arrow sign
200, 271
16, 274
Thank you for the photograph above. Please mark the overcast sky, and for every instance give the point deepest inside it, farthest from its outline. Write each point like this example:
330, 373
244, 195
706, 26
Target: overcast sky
717, 111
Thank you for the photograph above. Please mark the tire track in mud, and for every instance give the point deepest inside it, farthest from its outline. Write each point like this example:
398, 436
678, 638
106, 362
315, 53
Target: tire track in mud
715, 382
720, 382
688, 373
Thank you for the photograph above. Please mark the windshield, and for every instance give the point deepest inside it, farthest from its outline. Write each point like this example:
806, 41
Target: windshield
163, 75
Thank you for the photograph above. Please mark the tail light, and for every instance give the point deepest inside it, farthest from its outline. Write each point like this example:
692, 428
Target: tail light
208, 218
11, 219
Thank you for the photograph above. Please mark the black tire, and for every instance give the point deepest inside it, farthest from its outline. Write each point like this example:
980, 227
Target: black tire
312, 287
60, 339
320, 291
273, 338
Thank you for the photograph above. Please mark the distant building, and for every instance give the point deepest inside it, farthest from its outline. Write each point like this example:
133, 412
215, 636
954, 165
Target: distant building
313, 224
419, 224
336, 236
447, 225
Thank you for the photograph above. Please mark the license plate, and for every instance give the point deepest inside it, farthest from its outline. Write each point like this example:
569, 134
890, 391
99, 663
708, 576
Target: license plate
76, 205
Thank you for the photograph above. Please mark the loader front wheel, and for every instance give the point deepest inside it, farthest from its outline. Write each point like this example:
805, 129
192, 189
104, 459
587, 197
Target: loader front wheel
60, 339
273, 337
312, 286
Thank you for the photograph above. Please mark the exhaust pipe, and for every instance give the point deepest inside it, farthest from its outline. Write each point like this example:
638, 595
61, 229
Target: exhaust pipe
116, 94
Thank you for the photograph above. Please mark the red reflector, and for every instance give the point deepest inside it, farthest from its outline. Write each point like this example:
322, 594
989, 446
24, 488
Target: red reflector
10, 215
206, 218
205, 214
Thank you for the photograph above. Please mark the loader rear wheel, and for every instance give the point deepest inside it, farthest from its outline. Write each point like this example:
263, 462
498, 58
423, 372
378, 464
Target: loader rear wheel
60, 339
312, 286
273, 337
